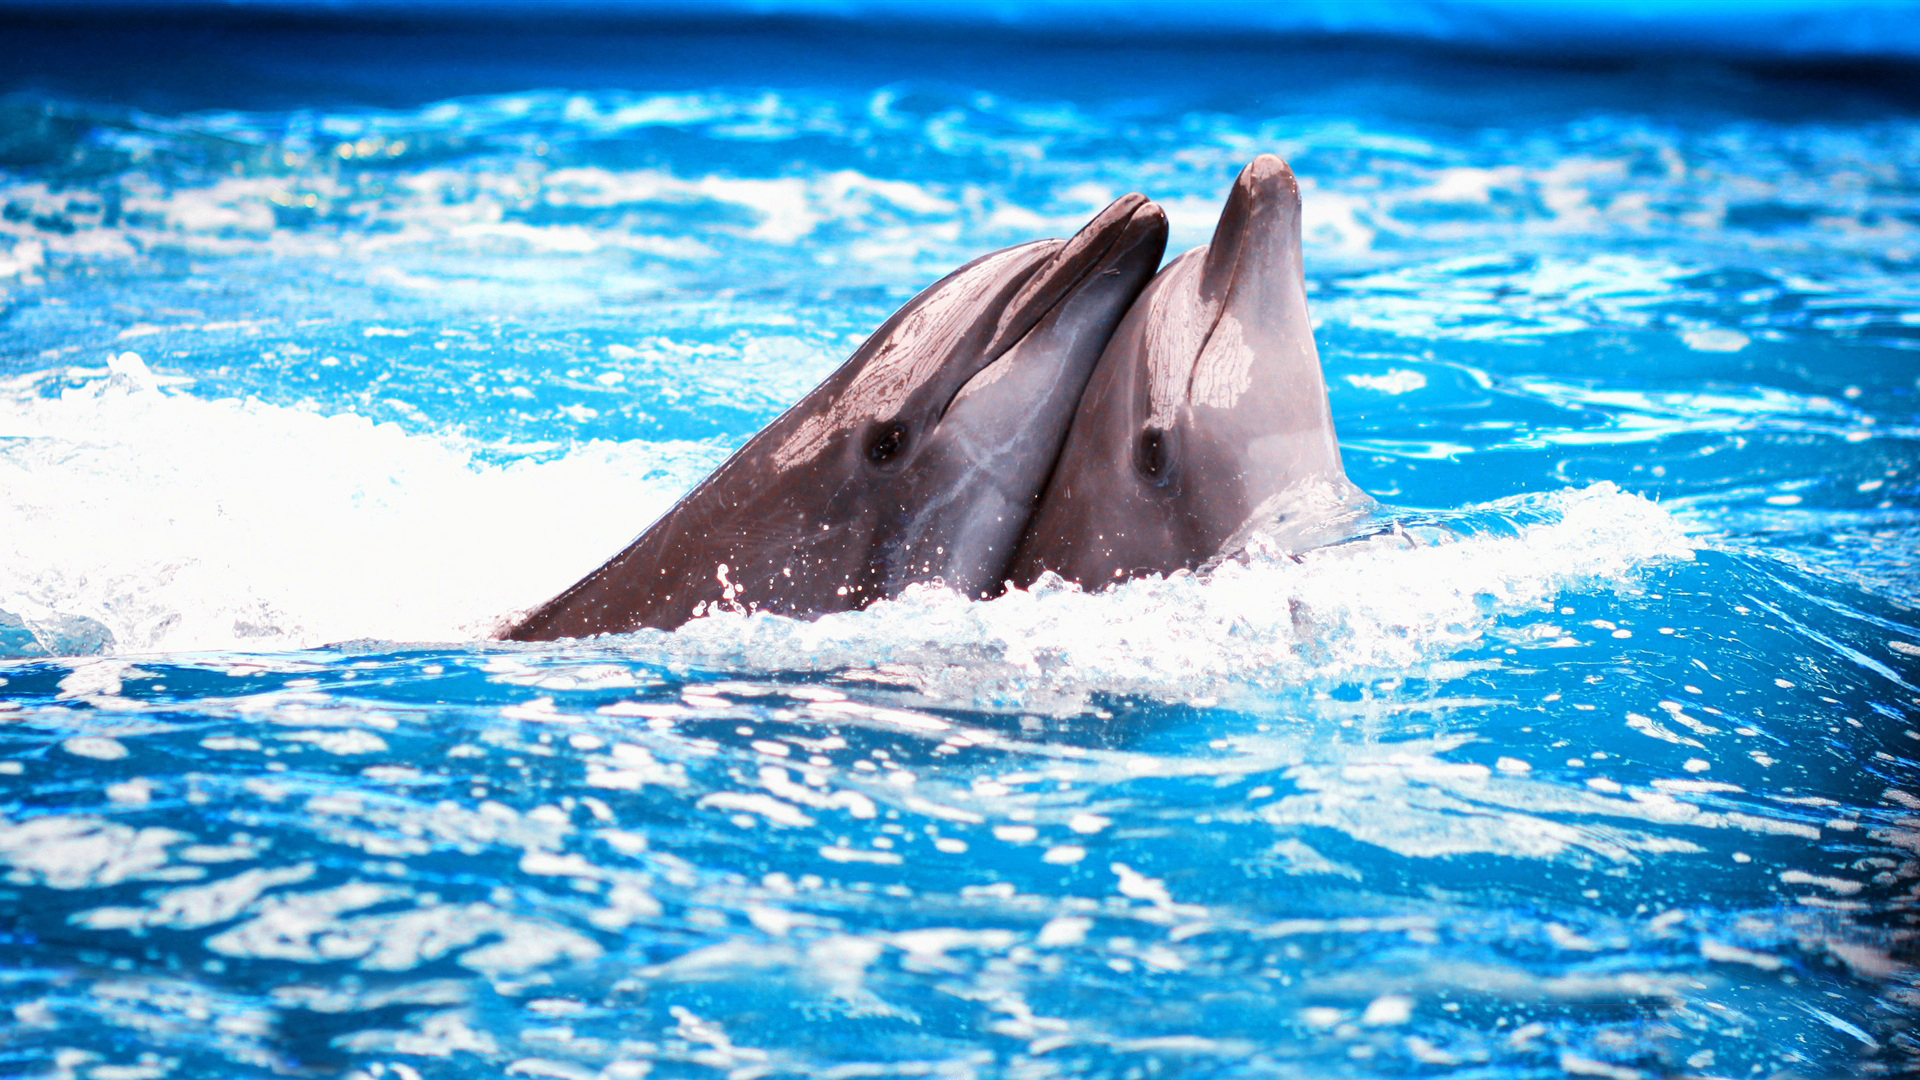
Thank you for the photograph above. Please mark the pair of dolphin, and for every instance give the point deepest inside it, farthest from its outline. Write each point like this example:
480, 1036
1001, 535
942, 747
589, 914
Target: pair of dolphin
1055, 406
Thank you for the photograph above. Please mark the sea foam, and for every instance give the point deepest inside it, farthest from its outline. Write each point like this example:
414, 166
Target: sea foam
144, 519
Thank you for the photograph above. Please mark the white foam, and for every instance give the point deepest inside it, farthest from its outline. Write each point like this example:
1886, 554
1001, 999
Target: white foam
178, 523
1268, 622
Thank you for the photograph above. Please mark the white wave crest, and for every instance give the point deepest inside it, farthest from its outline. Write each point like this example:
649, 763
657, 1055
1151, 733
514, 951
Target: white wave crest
143, 520
1270, 621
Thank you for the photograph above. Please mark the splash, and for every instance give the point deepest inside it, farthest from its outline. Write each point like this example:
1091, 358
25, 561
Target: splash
1243, 628
143, 519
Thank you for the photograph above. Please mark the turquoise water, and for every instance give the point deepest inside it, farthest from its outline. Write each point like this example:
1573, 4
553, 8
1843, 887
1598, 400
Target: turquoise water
314, 365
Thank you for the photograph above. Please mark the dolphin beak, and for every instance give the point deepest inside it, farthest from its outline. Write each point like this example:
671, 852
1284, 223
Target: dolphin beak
1259, 231
1114, 236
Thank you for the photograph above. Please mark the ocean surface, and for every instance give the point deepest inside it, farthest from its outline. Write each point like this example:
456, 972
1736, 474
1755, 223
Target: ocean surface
326, 345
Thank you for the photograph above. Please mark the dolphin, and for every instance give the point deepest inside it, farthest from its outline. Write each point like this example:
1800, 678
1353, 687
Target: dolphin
1205, 424
919, 460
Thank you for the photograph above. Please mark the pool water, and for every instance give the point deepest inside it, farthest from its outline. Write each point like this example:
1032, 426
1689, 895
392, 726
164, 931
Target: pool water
324, 346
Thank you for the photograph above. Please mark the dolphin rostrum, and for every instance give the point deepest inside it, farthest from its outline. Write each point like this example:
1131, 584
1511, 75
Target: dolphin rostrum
1206, 422
919, 460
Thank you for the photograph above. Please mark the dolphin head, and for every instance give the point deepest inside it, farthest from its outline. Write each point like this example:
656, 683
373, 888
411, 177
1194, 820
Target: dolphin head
1023, 310
973, 469
920, 459
1207, 414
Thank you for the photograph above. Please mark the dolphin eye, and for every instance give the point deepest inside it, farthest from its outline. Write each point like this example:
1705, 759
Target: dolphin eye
887, 443
1151, 457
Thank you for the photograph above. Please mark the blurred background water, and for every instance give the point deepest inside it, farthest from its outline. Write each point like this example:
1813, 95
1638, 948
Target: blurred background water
331, 333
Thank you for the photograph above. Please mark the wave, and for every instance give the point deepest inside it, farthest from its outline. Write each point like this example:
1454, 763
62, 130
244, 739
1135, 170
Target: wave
147, 520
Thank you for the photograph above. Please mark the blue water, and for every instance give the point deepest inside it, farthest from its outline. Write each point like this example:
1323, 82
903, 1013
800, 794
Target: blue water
324, 346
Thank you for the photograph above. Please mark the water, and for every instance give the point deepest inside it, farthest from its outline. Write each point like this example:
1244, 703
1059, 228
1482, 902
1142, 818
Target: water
313, 368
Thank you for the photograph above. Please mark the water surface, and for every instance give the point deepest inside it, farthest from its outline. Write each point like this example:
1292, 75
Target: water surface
314, 365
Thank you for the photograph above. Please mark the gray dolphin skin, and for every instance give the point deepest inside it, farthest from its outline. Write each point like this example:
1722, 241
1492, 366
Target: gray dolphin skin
921, 459
1206, 421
